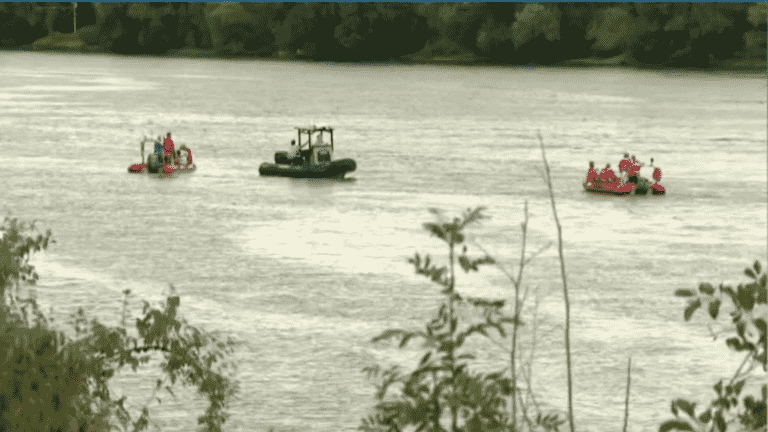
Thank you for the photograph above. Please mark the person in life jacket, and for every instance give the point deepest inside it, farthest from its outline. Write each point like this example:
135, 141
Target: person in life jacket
656, 187
159, 146
156, 157
169, 150
624, 167
633, 170
591, 174
656, 172
189, 154
607, 175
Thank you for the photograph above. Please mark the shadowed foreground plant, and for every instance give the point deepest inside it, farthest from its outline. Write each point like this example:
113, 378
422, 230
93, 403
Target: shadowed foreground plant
53, 383
442, 394
749, 317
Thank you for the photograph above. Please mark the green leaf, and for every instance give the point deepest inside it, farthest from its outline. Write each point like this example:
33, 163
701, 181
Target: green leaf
691, 309
684, 293
714, 308
757, 267
686, 406
748, 271
675, 425
746, 299
706, 416
436, 230
388, 334
734, 343
405, 339
761, 326
719, 388
425, 359
465, 264
707, 289
720, 421
738, 386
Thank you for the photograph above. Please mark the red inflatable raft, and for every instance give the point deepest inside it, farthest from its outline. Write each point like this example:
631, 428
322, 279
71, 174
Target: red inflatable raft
643, 187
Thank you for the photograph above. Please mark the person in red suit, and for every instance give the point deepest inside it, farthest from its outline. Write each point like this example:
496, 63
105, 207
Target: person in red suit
624, 167
169, 150
591, 174
607, 175
633, 170
656, 172
657, 188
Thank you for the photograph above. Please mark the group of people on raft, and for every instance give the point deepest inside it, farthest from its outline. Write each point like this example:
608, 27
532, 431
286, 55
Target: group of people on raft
167, 153
629, 169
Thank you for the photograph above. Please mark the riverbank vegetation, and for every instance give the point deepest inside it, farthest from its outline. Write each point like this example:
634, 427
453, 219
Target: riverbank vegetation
52, 382
682, 35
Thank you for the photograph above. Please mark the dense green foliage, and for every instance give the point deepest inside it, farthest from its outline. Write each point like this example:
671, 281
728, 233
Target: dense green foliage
698, 35
750, 314
51, 382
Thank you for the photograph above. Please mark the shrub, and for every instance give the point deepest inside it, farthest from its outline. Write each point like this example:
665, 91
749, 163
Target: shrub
749, 319
50, 382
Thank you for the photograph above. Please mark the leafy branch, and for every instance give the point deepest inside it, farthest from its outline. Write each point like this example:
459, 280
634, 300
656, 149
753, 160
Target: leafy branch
749, 319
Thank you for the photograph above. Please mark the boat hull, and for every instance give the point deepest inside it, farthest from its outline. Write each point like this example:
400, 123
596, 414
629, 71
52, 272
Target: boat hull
643, 187
163, 170
335, 169
170, 169
618, 189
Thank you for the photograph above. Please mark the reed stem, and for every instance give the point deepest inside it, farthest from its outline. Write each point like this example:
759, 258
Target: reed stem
626, 400
565, 285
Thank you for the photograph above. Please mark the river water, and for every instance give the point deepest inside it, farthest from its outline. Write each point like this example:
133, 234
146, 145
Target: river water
304, 273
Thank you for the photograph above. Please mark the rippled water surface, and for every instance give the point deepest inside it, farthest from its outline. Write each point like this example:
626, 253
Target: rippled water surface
305, 273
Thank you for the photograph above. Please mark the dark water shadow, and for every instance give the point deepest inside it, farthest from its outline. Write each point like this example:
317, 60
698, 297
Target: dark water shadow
322, 181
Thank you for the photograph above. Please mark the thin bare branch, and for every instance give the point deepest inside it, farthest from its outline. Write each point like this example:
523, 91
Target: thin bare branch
516, 316
626, 401
738, 371
496, 263
538, 252
565, 285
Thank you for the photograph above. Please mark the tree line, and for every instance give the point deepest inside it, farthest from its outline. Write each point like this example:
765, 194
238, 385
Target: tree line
698, 35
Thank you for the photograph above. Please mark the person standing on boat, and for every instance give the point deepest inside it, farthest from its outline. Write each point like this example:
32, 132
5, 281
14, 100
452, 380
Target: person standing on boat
657, 188
634, 169
656, 172
159, 146
591, 174
169, 151
624, 167
607, 175
189, 154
